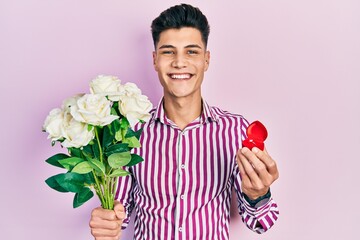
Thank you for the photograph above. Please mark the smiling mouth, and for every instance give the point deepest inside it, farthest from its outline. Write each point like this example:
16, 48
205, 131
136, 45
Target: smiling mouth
180, 76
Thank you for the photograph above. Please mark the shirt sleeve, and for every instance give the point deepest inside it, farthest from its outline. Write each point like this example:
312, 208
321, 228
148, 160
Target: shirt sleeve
258, 219
125, 196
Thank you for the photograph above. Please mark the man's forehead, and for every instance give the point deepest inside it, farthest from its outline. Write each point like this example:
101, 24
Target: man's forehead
181, 38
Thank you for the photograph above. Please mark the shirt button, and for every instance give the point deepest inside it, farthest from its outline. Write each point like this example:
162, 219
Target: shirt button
183, 166
180, 229
182, 196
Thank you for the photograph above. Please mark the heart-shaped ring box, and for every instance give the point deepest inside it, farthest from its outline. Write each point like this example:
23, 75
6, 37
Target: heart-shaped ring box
256, 135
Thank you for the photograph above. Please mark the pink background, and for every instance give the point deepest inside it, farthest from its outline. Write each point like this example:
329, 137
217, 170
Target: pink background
294, 65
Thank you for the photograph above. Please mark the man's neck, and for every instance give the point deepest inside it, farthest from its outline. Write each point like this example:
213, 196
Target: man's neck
182, 111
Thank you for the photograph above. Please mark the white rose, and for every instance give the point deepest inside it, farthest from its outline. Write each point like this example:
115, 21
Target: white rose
67, 104
135, 108
71, 101
76, 133
107, 86
131, 89
93, 109
53, 124
128, 89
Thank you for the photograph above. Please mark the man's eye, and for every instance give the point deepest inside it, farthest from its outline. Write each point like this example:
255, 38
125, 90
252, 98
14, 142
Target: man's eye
168, 52
192, 52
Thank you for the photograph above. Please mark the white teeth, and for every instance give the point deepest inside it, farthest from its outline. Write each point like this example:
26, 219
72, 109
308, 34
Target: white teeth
180, 76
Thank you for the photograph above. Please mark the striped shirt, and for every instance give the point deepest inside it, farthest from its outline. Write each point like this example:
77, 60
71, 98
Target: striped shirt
182, 189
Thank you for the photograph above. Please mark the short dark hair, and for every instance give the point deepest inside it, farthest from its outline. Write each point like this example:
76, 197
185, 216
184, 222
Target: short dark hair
180, 16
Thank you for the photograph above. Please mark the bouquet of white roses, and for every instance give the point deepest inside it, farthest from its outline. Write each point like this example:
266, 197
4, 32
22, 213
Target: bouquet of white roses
97, 130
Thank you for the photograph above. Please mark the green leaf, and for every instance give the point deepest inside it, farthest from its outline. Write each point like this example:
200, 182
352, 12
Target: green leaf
132, 141
118, 160
82, 168
87, 150
69, 163
131, 133
98, 166
90, 127
72, 182
115, 126
115, 109
117, 148
135, 159
116, 105
119, 173
96, 151
118, 136
89, 178
81, 197
75, 152
54, 160
107, 138
124, 123
51, 182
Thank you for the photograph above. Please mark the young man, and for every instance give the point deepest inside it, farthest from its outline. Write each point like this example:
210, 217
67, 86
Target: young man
192, 152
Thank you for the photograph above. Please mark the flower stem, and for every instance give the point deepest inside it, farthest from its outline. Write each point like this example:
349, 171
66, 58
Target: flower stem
99, 144
104, 183
98, 189
109, 193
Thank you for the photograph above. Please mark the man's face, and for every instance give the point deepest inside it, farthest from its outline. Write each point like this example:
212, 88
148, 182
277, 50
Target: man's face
180, 58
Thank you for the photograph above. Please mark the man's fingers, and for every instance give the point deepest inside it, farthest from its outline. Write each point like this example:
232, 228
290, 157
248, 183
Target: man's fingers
249, 170
268, 161
105, 229
107, 238
262, 162
262, 177
104, 214
119, 210
100, 232
244, 177
105, 224
260, 170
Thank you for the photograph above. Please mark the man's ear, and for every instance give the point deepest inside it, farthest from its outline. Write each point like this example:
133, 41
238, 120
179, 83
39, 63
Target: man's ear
207, 60
154, 60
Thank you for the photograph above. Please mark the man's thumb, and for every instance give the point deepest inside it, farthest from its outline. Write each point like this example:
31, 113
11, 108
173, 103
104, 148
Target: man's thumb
119, 210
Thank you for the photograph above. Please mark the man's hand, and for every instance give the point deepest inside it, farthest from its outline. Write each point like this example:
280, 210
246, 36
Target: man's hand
106, 224
257, 170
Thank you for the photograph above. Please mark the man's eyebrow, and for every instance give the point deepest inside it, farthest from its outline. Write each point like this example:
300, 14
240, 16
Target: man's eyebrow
187, 46
166, 46
193, 46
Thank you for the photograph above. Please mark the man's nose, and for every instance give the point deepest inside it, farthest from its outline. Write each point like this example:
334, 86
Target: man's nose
179, 61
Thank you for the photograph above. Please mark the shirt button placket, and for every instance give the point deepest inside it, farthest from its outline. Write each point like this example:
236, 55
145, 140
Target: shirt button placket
182, 168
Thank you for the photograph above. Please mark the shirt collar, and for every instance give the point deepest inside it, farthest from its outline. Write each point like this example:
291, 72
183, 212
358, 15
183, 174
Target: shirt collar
207, 114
